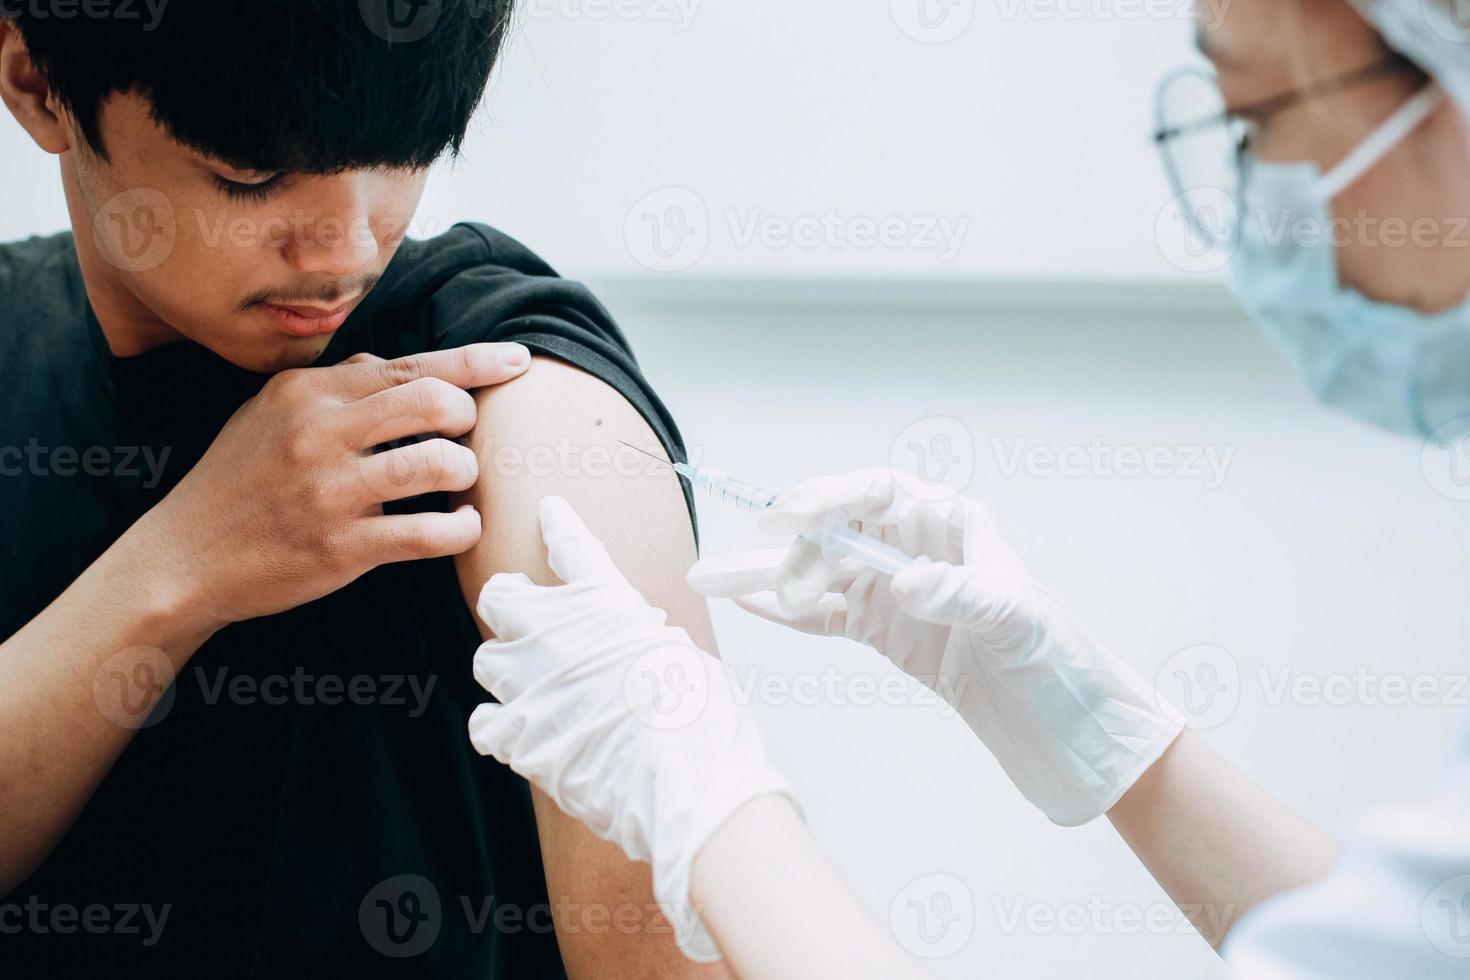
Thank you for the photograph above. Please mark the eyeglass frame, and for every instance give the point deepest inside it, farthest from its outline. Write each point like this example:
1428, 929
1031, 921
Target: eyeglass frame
1255, 112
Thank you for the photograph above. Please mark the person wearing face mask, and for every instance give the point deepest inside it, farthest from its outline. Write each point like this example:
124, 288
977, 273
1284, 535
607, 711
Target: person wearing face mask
1345, 120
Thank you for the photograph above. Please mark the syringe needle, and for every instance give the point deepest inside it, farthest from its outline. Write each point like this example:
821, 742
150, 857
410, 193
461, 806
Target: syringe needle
643, 451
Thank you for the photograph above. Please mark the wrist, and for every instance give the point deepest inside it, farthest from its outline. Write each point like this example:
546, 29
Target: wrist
150, 579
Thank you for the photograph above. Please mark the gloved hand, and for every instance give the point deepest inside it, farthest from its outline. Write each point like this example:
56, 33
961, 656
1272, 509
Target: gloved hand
617, 716
1072, 725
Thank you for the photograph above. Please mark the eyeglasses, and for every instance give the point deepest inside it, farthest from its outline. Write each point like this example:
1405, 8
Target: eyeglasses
1203, 141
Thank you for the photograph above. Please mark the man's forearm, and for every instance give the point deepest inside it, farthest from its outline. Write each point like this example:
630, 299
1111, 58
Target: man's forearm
1216, 842
75, 683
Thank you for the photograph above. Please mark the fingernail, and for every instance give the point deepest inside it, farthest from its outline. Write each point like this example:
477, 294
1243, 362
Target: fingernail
515, 355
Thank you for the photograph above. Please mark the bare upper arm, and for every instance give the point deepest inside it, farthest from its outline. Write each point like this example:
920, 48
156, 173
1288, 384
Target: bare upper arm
555, 430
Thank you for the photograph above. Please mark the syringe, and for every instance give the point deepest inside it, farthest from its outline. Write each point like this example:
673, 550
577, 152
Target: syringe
834, 539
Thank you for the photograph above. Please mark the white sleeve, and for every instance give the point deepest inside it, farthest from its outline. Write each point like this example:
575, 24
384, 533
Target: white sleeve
1396, 906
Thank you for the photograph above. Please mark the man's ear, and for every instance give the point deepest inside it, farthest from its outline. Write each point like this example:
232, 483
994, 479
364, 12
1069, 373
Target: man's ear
26, 93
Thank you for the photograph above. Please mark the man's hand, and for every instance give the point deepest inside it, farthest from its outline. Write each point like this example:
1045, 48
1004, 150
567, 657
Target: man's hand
287, 504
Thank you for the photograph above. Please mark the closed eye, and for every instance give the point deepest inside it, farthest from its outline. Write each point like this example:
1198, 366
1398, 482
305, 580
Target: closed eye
237, 191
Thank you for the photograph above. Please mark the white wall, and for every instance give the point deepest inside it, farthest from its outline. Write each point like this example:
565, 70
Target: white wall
1322, 547
1027, 132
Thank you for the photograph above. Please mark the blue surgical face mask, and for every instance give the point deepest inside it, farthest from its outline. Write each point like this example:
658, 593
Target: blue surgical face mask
1389, 365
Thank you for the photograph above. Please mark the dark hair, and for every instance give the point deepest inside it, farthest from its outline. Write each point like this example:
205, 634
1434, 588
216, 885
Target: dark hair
312, 86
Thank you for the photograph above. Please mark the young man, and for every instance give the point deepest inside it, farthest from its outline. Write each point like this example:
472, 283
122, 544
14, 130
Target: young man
238, 445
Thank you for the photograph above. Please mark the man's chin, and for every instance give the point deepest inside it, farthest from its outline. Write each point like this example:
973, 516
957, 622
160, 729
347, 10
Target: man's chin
273, 358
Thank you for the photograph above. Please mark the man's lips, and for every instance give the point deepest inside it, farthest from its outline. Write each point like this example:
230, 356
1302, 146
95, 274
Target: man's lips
309, 321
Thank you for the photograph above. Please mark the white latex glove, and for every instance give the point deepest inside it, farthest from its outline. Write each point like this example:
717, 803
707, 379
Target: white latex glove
617, 716
1073, 726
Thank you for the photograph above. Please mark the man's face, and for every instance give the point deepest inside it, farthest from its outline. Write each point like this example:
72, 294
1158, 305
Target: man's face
180, 246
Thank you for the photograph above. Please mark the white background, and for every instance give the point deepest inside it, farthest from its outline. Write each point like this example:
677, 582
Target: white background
1324, 548
1031, 126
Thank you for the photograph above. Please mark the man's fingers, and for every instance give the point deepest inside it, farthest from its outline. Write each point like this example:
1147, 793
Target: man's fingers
432, 466
574, 553
410, 537
468, 367
828, 617
428, 405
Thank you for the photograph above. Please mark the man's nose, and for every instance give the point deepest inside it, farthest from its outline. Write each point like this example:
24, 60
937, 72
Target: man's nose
337, 237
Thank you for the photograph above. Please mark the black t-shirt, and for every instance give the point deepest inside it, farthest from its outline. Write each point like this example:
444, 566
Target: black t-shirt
307, 799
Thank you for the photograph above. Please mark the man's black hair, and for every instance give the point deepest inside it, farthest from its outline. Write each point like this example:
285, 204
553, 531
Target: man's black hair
311, 86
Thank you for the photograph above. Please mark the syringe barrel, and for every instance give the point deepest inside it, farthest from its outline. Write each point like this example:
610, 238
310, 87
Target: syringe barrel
839, 539
723, 490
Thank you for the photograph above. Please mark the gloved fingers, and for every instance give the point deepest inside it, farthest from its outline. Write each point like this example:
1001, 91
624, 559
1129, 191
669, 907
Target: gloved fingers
828, 617
941, 593
502, 596
494, 731
804, 577
494, 668
740, 573
859, 495
574, 553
